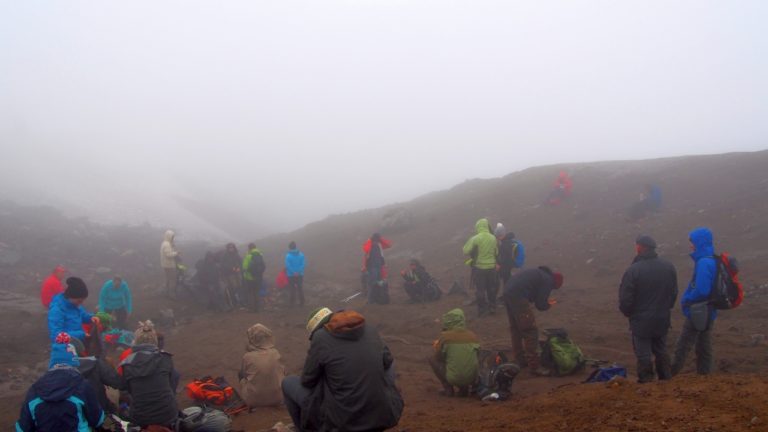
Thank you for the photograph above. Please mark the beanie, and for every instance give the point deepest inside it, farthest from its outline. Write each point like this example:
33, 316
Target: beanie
63, 354
317, 318
76, 288
292, 245
647, 241
500, 230
558, 278
145, 334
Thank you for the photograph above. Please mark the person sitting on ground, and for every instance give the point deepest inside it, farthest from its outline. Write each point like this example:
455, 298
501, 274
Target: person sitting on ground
61, 400
115, 299
561, 190
261, 371
420, 285
348, 380
67, 315
151, 380
294, 269
522, 289
650, 202
52, 286
511, 253
455, 361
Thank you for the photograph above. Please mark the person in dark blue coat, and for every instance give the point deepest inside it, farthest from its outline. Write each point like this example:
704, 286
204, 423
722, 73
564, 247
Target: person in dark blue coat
61, 400
67, 315
698, 291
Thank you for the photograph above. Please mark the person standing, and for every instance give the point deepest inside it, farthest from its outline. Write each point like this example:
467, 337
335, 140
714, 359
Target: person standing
168, 256
522, 289
294, 269
699, 315
253, 275
482, 249
373, 267
348, 380
511, 253
115, 299
647, 293
52, 286
231, 263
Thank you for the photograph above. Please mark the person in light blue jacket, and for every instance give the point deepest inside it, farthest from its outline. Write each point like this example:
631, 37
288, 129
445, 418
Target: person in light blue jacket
115, 298
294, 269
67, 314
698, 291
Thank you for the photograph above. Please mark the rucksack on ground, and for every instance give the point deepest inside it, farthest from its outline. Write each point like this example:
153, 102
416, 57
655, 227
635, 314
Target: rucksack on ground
495, 375
605, 374
560, 354
204, 419
727, 291
216, 391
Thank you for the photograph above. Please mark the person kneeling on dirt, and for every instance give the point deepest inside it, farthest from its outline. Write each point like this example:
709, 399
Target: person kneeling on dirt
67, 315
151, 380
647, 293
115, 298
61, 400
529, 286
455, 360
419, 285
348, 380
261, 371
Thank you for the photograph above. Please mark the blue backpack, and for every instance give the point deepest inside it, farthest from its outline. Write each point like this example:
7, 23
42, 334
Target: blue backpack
605, 374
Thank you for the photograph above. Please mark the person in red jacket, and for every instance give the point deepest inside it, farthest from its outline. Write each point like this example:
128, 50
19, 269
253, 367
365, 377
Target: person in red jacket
561, 189
52, 286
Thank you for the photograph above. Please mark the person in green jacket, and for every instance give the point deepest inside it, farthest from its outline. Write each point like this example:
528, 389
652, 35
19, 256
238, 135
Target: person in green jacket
482, 249
253, 275
455, 360
115, 299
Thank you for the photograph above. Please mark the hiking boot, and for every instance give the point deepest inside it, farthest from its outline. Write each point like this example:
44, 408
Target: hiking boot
541, 372
447, 391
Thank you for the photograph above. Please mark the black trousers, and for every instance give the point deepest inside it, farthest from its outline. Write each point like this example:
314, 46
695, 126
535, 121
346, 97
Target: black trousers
486, 289
296, 289
645, 349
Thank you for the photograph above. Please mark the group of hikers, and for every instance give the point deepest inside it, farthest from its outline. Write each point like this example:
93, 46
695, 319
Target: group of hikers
348, 378
227, 281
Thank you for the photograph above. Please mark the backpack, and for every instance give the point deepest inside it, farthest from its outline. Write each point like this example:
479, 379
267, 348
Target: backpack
560, 354
216, 391
204, 419
727, 291
518, 252
495, 375
605, 374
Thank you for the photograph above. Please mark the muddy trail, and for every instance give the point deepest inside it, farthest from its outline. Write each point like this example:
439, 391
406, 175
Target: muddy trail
588, 238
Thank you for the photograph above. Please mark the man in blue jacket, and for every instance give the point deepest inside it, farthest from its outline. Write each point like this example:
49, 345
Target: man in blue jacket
61, 400
294, 269
67, 314
698, 291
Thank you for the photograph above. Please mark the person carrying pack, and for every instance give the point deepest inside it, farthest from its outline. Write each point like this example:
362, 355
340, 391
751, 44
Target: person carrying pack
699, 314
560, 354
511, 253
647, 293
253, 275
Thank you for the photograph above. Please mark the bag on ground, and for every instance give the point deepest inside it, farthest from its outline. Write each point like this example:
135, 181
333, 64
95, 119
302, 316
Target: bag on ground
204, 419
605, 374
496, 375
560, 354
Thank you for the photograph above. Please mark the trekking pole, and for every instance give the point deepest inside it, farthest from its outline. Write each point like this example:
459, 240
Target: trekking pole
352, 297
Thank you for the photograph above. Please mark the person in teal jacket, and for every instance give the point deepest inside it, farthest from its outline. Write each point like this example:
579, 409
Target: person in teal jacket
482, 249
115, 298
294, 269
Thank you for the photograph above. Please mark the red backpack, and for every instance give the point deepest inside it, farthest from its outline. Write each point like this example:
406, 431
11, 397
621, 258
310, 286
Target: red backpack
727, 291
213, 391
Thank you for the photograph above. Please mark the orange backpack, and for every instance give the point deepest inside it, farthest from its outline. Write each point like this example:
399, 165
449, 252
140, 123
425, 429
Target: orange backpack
215, 391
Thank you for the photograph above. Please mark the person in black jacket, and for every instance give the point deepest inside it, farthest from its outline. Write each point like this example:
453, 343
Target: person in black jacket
522, 289
99, 373
61, 400
151, 380
420, 285
208, 278
231, 263
348, 380
647, 293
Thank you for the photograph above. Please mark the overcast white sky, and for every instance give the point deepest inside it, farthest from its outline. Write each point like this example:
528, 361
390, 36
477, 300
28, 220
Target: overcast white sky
282, 112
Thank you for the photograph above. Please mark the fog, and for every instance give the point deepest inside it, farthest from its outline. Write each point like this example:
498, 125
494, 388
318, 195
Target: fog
244, 118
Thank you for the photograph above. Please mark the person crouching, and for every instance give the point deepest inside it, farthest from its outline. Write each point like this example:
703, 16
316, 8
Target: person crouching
455, 361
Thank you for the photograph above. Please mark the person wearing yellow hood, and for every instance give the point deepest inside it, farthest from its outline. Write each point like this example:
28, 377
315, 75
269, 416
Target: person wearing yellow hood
482, 249
455, 361
261, 371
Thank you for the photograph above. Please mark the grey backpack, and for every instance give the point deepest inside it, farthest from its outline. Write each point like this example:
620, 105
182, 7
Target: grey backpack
204, 419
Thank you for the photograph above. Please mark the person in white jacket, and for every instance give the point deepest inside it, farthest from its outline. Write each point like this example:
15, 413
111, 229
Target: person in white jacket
168, 254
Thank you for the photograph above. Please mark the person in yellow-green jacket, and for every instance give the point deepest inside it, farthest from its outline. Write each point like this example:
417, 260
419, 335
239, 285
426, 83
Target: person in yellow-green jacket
253, 275
455, 360
482, 249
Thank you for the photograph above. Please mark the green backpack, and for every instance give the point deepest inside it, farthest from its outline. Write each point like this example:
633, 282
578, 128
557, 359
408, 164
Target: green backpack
560, 354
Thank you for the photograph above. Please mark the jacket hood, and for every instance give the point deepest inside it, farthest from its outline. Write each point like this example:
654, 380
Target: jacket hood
346, 325
454, 320
259, 338
144, 360
58, 384
169, 236
482, 226
701, 238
